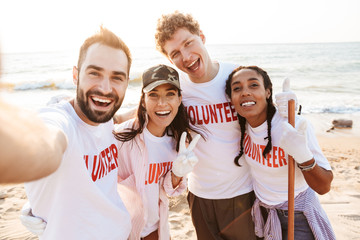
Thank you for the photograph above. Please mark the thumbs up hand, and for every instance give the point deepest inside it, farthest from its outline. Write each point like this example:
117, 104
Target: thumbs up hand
281, 99
294, 141
186, 159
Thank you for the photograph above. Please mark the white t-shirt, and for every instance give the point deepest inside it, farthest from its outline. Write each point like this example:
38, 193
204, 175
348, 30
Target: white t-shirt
160, 154
270, 176
215, 176
80, 200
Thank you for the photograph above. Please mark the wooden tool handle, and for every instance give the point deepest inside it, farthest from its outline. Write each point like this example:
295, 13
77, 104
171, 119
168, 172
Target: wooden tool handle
291, 176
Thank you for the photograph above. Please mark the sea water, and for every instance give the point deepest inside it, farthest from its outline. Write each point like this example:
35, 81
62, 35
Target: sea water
324, 76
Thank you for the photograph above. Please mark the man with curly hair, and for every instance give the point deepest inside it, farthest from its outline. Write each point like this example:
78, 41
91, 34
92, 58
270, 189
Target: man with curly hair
220, 194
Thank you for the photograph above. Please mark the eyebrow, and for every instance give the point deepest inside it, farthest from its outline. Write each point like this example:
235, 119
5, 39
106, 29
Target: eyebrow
102, 69
172, 88
167, 89
250, 79
185, 40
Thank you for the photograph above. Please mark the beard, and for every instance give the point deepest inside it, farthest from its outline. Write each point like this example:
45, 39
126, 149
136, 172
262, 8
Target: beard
93, 115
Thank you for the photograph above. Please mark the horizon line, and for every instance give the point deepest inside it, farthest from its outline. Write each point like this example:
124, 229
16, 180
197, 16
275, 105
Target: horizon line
148, 46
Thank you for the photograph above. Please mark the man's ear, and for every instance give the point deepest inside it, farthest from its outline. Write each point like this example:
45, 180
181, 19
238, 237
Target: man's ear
75, 75
202, 36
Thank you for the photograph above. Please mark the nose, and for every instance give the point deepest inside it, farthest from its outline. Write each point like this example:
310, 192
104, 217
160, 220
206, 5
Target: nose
245, 92
186, 55
105, 85
162, 101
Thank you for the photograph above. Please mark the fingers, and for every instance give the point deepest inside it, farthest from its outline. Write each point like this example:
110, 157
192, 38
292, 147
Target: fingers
286, 85
283, 111
302, 126
34, 222
194, 142
182, 144
25, 210
192, 159
286, 96
282, 102
286, 128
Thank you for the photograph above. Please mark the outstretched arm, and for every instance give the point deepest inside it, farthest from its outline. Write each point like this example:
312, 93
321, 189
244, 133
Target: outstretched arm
29, 149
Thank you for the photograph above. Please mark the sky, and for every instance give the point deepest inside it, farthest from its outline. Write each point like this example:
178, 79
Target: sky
49, 25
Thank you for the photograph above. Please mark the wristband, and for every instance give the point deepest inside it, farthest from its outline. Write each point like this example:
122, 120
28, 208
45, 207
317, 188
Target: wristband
308, 167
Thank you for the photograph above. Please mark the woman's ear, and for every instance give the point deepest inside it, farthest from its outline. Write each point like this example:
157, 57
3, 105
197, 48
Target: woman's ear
268, 93
143, 103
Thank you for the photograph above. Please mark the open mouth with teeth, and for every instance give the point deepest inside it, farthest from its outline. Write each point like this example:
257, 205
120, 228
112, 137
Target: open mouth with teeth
163, 113
101, 102
194, 65
248, 104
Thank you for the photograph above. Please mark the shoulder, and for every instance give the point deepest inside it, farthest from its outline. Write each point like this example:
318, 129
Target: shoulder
228, 67
58, 115
225, 69
54, 109
138, 140
124, 125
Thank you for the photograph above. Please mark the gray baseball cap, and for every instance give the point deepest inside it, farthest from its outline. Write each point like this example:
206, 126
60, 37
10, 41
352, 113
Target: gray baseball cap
158, 75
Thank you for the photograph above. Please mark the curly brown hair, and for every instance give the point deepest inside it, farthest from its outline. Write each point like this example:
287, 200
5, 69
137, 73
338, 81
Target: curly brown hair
168, 24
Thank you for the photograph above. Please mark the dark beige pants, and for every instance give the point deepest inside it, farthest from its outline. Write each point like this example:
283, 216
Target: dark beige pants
222, 219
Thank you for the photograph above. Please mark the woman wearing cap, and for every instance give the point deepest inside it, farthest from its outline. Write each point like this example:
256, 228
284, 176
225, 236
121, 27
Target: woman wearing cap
153, 158
265, 138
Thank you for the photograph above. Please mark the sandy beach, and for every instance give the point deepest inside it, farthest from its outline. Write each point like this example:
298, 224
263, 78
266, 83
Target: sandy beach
342, 203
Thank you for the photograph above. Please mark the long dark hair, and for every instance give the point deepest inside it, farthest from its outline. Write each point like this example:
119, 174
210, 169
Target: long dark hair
269, 114
180, 124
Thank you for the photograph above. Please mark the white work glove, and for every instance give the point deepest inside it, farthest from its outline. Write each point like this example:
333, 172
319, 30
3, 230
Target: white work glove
58, 98
186, 159
34, 224
281, 99
294, 141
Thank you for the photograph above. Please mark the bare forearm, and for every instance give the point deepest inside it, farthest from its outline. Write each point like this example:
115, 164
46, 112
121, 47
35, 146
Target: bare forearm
29, 150
318, 178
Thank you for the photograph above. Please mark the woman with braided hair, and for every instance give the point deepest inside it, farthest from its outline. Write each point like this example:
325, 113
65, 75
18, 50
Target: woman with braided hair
266, 141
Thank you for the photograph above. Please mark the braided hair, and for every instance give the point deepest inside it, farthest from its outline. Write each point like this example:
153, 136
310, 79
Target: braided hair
269, 112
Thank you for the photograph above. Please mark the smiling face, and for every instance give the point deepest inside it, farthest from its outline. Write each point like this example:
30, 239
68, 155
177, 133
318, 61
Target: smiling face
161, 104
101, 83
248, 95
187, 51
